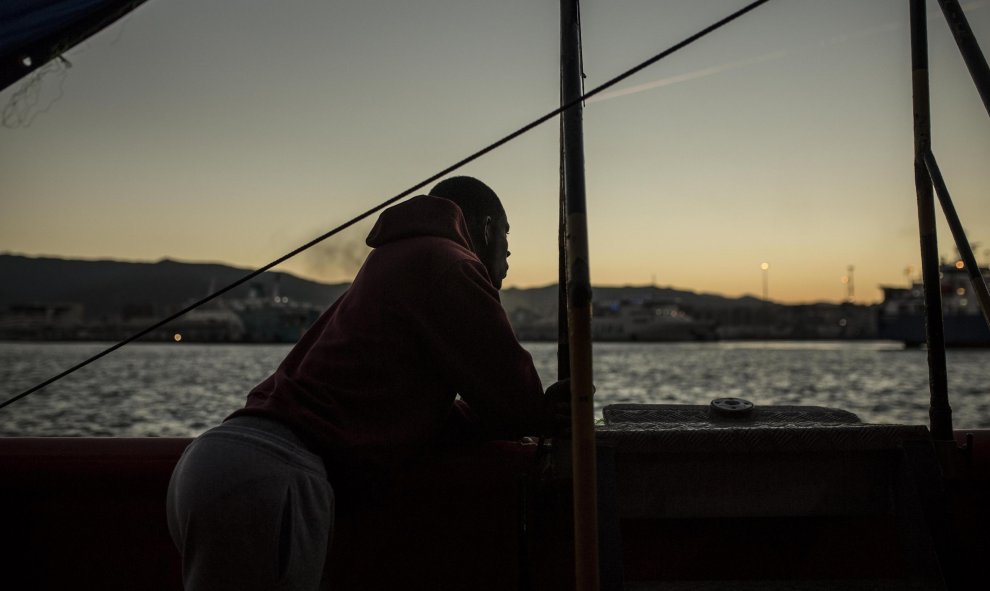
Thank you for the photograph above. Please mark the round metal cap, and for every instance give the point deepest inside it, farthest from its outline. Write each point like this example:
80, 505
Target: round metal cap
731, 406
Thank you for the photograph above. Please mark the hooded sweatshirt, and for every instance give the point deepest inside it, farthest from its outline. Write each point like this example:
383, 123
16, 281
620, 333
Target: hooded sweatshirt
374, 381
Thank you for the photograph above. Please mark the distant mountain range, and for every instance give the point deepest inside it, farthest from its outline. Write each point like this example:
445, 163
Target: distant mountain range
544, 299
44, 298
104, 286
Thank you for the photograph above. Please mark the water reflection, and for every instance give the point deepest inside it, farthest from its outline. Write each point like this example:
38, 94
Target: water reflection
179, 389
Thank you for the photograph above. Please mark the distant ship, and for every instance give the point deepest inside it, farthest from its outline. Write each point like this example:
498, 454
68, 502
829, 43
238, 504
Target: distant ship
273, 318
648, 321
261, 317
902, 313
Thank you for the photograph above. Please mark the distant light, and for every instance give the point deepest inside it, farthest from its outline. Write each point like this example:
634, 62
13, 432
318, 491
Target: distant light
27, 61
960, 264
177, 336
764, 266
961, 291
843, 322
964, 302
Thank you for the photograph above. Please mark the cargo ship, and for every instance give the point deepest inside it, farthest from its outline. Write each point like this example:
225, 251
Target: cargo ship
901, 316
648, 321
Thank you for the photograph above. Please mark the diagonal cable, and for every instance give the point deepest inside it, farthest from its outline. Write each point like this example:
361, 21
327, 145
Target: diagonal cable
460, 163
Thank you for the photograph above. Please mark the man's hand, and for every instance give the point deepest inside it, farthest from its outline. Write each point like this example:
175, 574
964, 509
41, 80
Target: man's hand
557, 408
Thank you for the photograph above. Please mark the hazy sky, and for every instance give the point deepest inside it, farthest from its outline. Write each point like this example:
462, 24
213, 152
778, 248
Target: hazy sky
233, 131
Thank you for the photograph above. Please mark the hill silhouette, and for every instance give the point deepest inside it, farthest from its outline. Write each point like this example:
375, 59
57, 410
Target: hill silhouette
544, 299
105, 286
109, 292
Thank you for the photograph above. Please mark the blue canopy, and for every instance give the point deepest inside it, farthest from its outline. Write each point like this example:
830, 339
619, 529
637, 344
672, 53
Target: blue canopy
33, 32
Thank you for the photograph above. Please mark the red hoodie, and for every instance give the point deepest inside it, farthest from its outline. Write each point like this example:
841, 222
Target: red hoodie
374, 380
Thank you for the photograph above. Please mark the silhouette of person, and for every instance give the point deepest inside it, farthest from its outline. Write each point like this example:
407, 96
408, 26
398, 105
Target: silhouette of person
372, 385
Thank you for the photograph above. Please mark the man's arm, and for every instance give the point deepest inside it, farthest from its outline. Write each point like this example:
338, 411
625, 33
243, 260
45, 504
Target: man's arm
481, 357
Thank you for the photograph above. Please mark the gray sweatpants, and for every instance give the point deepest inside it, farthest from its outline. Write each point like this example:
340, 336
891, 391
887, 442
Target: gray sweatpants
249, 507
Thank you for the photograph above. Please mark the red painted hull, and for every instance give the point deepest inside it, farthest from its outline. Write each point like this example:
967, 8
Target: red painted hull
84, 513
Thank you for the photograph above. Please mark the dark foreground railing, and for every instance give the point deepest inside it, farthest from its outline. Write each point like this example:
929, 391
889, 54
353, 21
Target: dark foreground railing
690, 503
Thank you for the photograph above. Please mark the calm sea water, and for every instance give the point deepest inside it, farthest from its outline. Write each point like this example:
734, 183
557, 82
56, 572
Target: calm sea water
183, 389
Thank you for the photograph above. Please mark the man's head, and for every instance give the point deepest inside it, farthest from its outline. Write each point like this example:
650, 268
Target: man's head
486, 221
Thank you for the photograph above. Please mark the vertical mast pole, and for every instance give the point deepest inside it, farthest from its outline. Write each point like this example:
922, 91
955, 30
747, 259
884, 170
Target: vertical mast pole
579, 309
939, 412
563, 345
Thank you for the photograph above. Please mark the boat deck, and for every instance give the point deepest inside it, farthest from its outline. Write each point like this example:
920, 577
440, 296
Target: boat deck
684, 506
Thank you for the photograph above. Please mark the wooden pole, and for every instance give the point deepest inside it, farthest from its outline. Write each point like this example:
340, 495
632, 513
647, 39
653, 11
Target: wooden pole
939, 411
563, 334
579, 309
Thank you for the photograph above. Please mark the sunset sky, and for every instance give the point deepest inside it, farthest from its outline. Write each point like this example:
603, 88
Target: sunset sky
233, 131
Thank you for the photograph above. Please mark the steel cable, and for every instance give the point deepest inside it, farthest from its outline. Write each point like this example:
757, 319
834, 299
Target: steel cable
490, 147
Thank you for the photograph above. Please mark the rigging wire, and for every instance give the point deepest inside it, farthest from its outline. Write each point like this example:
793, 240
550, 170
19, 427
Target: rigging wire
437, 176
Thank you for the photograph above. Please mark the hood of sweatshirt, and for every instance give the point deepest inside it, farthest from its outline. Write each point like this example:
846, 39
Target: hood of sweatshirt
421, 216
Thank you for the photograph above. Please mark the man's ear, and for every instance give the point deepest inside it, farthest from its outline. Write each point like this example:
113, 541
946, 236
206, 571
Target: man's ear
488, 229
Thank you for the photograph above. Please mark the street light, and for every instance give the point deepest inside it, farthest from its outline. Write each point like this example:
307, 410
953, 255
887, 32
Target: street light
766, 280
847, 280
